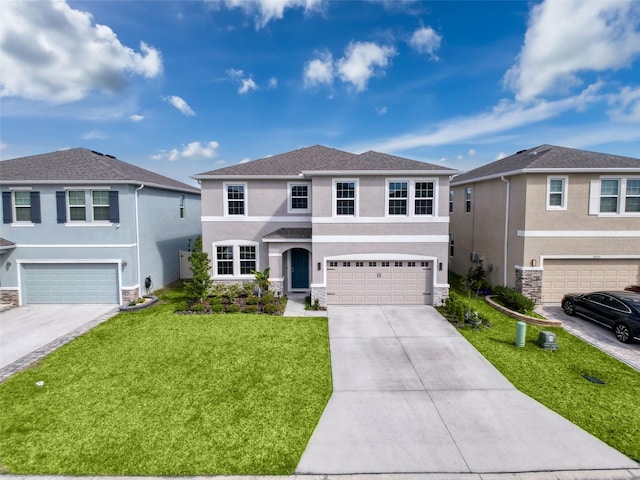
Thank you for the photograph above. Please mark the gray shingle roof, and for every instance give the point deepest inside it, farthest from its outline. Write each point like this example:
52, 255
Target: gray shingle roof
82, 165
289, 233
319, 158
552, 158
6, 244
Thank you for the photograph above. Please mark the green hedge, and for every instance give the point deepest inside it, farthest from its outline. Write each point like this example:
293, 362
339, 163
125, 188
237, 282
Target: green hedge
514, 300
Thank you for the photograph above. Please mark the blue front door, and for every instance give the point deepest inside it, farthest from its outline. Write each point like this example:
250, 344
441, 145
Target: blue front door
299, 268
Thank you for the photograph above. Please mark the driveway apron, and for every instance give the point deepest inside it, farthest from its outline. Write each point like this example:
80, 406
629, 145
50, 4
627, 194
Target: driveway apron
411, 395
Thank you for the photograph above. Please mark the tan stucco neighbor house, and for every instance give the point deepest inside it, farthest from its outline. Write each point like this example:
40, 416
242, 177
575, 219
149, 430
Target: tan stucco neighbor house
349, 229
548, 221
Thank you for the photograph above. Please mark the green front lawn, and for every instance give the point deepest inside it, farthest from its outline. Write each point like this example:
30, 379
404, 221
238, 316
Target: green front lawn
156, 393
610, 412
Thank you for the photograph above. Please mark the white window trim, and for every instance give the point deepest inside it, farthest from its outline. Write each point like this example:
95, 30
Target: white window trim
290, 186
565, 189
411, 197
225, 198
14, 206
594, 196
88, 207
334, 198
235, 244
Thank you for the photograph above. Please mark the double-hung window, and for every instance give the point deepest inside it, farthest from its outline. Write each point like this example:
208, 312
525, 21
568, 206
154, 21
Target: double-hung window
632, 196
345, 197
22, 202
467, 199
77, 205
556, 193
87, 206
235, 258
450, 201
100, 203
398, 197
236, 199
424, 196
182, 205
21, 206
299, 200
612, 196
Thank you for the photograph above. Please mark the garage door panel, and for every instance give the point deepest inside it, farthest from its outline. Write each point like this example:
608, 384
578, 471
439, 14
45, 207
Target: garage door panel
385, 282
70, 283
586, 275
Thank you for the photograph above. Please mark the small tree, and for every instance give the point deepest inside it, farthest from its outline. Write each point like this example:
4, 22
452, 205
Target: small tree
199, 286
472, 282
262, 279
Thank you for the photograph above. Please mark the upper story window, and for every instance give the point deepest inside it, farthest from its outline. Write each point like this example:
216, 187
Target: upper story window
345, 197
398, 194
424, 197
21, 206
235, 203
450, 201
84, 206
557, 193
182, 206
615, 196
467, 199
299, 199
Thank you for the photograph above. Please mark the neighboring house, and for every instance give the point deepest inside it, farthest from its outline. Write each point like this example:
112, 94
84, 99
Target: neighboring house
83, 227
350, 229
548, 221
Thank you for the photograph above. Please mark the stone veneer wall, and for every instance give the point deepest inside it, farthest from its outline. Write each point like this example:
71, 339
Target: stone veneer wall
440, 294
9, 296
277, 287
320, 294
529, 283
130, 295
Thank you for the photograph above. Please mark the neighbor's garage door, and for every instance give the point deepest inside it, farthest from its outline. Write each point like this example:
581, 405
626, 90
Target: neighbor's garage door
379, 283
70, 283
579, 276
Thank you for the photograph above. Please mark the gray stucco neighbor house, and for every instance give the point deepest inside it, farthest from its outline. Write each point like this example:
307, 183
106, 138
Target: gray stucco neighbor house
347, 228
84, 227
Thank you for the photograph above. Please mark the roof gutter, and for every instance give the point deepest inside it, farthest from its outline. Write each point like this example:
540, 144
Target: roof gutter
506, 231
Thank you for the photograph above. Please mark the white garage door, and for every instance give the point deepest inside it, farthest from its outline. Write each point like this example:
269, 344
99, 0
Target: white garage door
70, 283
580, 276
379, 283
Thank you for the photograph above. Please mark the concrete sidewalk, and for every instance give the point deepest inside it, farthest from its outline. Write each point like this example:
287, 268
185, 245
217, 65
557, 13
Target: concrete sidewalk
411, 395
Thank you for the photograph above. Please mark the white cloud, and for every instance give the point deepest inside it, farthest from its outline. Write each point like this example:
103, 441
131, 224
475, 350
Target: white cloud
193, 150
500, 156
265, 11
363, 60
426, 40
245, 160
319, 71
381, 111
247, 85
52, 52
181, 105
626, 105
566, 38
136, 118
273, 83
472, 152
505, 116
95, 135
234, 73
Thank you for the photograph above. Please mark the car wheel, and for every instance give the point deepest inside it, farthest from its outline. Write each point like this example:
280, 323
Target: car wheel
569, 307
622, 332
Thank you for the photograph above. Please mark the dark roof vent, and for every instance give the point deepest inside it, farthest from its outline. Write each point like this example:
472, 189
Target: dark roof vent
520, 151
97, 153
533, 154
110, 156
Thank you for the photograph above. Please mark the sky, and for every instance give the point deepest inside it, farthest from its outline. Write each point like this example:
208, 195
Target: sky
185, 87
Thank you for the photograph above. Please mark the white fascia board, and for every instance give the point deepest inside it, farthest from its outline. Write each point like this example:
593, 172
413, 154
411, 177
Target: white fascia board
361, 173
79, 183
381, 239
383, 220
577, 233
247, 178
566, 171
286, 240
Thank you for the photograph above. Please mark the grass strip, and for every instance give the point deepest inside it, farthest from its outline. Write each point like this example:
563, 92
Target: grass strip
156, 393
609, 411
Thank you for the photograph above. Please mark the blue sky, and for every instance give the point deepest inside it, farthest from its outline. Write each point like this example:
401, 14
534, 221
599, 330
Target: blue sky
184, 87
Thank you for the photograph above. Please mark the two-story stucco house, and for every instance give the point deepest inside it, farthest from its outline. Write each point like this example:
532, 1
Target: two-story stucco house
548, 221
83, 227
350, 229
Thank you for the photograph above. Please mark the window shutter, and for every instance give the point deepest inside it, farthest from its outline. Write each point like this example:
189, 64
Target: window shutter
36, 216
594, 197
7, 211
114, 207
61, 204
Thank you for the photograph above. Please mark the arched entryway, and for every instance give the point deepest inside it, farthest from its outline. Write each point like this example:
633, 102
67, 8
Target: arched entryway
299, 269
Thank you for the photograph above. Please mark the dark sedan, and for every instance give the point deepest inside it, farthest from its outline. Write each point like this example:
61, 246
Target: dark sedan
619, 311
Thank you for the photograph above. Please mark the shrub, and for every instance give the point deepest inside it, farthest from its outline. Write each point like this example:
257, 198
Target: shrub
248, 288
197, 289
455, 308
232, 308
250, 309
198, 307
219, 289
233, 291
514, 300
217, 306
271, 309
268, 297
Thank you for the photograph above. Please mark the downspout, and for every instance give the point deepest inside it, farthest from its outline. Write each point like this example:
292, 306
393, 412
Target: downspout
506, 232
138, 240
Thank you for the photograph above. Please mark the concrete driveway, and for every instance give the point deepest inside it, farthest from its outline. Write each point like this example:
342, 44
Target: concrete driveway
411, 395
598, 336
35, 330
